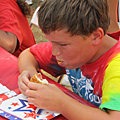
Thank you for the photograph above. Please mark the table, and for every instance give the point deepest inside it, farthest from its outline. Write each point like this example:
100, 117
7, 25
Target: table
8, 64
8, 69
68, 92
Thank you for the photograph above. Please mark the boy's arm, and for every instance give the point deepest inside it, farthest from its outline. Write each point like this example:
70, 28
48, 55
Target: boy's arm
73, 110
27, 62
28, 66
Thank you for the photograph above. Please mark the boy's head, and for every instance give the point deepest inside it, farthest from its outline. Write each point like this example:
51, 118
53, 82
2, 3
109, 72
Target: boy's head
80, 17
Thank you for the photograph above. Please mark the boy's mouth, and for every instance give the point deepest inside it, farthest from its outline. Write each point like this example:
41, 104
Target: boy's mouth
59, 62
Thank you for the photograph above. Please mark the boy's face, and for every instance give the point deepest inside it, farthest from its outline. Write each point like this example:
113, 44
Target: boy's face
72, 51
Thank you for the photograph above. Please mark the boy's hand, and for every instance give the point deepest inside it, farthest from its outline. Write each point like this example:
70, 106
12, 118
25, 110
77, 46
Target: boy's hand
23, 81
48, 97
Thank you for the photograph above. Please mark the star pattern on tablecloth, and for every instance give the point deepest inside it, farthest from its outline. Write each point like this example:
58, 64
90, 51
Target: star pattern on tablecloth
27, 110
32, 106
31, 114
14, 104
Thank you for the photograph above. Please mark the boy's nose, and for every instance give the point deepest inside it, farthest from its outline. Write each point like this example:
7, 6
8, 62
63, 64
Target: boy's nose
55, 50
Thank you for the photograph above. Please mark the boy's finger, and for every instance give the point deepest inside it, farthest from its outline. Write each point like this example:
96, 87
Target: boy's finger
34, 86
31, 93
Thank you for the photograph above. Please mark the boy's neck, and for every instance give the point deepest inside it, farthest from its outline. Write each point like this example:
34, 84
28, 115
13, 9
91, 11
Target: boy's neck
106, 44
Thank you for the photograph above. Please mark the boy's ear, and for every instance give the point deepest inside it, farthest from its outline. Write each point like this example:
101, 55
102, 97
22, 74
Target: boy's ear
97, 36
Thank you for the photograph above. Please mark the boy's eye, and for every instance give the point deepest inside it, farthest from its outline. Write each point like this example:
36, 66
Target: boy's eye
63, 44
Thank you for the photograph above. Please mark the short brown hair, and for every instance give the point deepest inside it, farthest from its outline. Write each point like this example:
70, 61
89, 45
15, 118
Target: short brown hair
80, 17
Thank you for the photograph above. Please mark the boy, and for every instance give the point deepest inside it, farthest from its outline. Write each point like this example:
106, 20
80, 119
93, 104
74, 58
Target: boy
78, 43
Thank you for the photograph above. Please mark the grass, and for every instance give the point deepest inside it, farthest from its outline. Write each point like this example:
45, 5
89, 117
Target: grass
39, 37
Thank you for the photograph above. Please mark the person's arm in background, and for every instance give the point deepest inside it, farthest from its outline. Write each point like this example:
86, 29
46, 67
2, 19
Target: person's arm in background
113, 7
8, 41
11, 34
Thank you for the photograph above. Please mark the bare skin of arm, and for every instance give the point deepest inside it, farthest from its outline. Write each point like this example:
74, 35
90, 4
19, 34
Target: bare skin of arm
113, 7
28, 66
50, 97
27, 62
8, 41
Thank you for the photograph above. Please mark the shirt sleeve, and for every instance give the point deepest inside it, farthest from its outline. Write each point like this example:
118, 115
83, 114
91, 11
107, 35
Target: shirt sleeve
14, 21
47, 62
9, 23
111, 86
115, 35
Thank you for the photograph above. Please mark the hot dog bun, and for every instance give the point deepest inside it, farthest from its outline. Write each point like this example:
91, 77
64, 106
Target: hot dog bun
37, 78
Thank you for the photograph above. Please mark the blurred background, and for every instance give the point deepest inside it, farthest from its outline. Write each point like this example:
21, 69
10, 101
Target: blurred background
39, 37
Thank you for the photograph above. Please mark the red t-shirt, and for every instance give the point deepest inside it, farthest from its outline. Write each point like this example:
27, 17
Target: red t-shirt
115, 35
97, 69
12, 20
